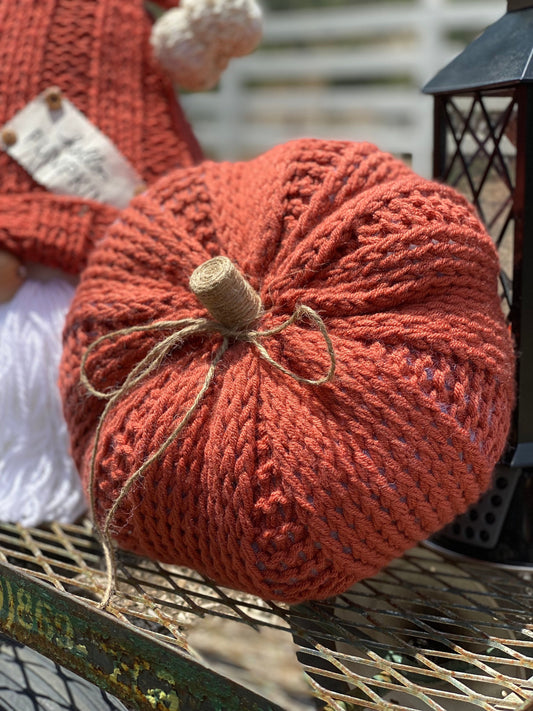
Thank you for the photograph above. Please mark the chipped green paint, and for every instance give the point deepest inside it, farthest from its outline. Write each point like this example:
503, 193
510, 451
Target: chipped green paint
145, 673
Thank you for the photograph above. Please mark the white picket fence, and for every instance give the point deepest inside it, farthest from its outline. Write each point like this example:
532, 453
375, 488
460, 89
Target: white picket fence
352, 72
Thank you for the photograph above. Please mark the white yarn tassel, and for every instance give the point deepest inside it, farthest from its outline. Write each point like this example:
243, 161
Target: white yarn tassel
195, 41
38, 479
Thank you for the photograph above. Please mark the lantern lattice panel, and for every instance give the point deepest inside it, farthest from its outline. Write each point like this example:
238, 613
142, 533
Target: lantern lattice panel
481, 163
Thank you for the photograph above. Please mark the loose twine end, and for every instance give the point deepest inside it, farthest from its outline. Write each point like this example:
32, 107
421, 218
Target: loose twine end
234, 307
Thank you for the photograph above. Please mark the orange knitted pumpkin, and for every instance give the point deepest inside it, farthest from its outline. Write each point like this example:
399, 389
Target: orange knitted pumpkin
275, 486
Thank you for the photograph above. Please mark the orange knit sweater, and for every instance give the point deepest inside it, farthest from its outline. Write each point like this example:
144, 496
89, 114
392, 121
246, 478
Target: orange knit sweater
98, 53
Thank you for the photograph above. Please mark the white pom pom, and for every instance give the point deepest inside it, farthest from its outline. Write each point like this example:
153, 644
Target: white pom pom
38, 479
195, 41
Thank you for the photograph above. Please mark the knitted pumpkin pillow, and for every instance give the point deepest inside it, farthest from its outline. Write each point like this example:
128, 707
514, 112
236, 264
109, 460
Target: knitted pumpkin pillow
358, 406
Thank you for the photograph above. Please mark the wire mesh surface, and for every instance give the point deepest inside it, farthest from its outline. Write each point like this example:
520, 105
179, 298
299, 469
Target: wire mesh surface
426, 633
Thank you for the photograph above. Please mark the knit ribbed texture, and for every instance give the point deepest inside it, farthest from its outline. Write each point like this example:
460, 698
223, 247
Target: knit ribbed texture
98, 53
276, 487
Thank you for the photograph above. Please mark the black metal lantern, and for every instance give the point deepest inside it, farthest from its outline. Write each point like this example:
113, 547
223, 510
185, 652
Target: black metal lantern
483, 145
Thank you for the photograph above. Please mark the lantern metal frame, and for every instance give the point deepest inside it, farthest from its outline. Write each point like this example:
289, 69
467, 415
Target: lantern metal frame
516, 288
469, 134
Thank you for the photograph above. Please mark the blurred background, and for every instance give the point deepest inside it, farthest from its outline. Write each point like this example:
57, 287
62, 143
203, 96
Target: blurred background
340, 69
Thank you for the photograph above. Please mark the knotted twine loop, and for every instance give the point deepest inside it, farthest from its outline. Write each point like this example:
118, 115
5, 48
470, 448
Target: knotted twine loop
234, 306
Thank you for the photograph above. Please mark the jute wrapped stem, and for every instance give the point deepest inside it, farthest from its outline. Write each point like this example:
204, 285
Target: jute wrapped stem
234, 306
225, 293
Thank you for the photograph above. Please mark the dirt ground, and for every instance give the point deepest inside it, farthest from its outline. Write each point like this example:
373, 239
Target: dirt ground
264, 661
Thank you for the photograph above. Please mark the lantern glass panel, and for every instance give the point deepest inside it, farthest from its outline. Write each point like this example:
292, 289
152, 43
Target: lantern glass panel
480, 161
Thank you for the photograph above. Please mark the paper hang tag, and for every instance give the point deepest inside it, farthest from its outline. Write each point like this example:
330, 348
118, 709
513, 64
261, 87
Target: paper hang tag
64, 152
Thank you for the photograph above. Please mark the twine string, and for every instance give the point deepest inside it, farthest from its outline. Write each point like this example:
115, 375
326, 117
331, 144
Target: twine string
300, 311
180, 331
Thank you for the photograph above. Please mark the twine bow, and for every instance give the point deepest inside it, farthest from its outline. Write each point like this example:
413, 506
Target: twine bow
235, 306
